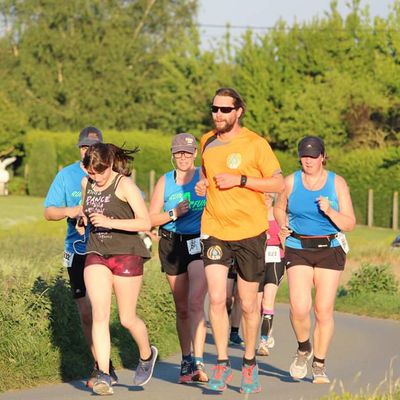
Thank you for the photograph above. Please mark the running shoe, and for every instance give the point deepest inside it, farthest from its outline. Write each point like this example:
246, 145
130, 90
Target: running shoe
235, 339
298, 368
199, 373
144, 370
319, 373
185, 376
263, 349
270, 342
250, 382
221, 375
93, 375
102, 384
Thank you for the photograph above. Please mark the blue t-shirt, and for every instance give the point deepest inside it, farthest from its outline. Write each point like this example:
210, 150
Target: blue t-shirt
65, 191
174, 194
305, 216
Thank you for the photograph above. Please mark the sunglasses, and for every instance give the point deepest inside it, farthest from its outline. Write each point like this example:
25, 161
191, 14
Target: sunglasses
182, 154
224, 110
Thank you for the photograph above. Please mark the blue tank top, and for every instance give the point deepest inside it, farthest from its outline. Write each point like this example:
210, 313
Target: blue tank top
189, 223
305, 217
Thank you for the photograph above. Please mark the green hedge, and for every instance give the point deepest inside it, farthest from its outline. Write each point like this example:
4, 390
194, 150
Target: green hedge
57, 350
363, 169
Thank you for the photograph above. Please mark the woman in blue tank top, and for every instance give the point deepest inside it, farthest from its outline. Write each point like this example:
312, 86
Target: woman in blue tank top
176, 209
312, 212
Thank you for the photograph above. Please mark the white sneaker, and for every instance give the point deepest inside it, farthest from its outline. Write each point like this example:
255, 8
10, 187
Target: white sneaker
263, 349
319, 373
298, 368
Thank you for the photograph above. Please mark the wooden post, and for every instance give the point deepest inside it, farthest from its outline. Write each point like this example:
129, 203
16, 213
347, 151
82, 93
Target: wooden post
133, 176
395, 224
370, 208
151, 182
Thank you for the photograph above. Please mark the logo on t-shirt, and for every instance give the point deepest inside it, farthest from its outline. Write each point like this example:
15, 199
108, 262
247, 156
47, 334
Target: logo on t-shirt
234, 160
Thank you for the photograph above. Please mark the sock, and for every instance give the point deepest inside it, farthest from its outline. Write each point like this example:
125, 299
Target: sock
148, 359
224, 362
249, 362
187, 358
234, 329
319, 360
304, 346
266, 325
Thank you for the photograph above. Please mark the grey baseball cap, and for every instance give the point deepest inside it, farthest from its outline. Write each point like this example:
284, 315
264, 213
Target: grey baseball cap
90, 135
184, 142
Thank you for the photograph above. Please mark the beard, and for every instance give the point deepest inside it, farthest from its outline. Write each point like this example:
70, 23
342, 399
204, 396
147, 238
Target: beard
228, 126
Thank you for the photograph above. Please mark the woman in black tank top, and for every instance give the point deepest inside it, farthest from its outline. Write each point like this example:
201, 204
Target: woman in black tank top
115, 211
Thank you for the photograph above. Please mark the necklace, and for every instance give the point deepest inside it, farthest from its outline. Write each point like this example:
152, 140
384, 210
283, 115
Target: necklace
316, 184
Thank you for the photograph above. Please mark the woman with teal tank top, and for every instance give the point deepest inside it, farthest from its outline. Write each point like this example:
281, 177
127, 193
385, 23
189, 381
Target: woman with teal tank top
312, 213
176, 209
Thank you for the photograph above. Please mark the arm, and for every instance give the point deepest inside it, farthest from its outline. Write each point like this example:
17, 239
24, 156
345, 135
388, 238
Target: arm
344, 219
280, 207
126, 191
53, 213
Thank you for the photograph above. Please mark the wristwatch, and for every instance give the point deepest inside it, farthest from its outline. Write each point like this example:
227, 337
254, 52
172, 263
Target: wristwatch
172, 214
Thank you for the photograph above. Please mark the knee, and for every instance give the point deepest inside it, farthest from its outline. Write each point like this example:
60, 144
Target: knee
323, 314
182, 311
196, 305
217, 301
299, 312
249, 307
127, 321
86, 317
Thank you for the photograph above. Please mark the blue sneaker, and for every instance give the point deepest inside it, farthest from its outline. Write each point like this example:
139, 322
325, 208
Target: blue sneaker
250, 382
235, 339
102, 384
221, 375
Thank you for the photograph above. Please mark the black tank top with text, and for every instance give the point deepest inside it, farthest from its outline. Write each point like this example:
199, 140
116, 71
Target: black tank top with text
106, 241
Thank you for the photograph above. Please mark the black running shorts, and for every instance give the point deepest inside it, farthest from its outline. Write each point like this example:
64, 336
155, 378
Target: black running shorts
173, 250
329, 258
247, 254
75, 273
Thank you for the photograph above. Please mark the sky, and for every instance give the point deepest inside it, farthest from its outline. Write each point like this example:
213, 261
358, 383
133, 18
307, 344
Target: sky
265, 13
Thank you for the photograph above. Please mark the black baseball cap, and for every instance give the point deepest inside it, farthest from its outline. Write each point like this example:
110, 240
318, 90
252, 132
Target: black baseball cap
90, 135
311, 146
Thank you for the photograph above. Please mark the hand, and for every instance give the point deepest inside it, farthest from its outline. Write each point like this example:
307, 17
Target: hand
227, 181
100, 220
182, 208
284, 232
201, 187
81, 223
324, 205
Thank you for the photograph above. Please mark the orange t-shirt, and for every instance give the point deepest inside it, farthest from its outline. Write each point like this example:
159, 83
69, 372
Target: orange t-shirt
236, 213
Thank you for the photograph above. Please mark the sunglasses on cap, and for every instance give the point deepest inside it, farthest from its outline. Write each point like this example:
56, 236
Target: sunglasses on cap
224, 110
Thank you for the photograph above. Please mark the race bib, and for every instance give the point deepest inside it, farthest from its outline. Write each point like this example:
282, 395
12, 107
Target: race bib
193, 246
67, 259
341, 237
272, 254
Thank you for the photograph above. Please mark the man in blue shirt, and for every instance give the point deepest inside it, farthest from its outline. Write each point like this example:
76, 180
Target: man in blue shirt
63, 200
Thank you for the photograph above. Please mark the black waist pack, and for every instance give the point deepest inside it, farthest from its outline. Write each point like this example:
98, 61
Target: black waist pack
314, 242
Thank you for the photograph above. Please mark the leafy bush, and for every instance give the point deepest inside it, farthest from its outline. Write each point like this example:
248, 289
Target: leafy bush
372, 278
17, 186
42, 167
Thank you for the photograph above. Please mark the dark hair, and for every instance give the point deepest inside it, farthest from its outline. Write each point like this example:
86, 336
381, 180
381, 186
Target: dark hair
237, 100
101, 156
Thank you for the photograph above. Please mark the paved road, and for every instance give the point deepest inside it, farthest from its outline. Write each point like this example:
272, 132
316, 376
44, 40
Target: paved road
365, 353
